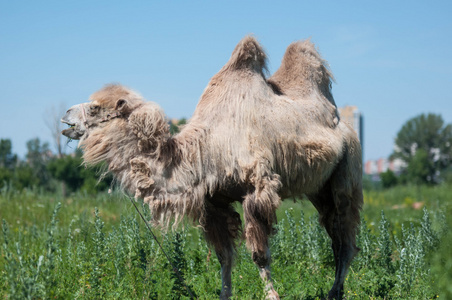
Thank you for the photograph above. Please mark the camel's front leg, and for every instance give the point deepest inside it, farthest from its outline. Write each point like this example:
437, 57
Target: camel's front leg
263, 262
258, 226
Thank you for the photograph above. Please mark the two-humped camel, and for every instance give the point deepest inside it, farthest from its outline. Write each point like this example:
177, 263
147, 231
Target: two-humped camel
252, 140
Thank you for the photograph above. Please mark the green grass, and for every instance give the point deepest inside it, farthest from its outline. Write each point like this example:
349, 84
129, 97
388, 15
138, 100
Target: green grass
96, 247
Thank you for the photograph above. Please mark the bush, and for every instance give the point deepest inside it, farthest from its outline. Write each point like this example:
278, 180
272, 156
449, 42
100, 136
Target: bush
388, 179
69, 169
95, 255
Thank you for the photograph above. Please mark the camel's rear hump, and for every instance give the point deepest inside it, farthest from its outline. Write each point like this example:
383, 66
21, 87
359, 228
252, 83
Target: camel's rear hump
302, 72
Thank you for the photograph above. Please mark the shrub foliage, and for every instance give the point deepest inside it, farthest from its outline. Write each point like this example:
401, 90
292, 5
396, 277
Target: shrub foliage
85, 258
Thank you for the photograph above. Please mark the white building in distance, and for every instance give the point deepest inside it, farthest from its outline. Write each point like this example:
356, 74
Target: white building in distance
351, 115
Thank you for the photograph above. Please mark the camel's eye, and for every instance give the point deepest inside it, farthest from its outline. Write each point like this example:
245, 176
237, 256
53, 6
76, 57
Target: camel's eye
94, 109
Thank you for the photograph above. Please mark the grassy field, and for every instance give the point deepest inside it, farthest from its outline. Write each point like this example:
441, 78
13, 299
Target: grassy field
96, 247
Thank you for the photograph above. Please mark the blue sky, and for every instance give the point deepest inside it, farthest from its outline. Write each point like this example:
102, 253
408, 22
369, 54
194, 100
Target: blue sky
392, 59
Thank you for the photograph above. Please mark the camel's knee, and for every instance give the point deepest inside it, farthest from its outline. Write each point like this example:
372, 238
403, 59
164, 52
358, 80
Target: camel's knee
261, 258
345, 229
346, 251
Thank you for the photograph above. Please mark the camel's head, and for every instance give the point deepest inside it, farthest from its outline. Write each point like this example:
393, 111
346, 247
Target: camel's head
111, 102
116, 119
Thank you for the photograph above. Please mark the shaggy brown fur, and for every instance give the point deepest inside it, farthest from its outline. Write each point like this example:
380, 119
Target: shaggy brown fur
250, 140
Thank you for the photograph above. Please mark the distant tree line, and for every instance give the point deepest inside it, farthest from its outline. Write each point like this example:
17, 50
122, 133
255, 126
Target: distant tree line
43, 169
424, 144
48, 171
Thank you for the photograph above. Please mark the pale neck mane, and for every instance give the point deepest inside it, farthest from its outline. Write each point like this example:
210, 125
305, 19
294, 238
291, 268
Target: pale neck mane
151, 164
111, 144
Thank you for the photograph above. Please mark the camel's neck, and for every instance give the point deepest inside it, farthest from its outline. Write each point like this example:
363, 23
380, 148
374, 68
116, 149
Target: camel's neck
167, 165
164, 170
170, 180
116, 145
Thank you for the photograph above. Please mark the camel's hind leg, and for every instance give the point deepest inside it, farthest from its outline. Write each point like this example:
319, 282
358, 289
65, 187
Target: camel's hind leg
222, 227
339, 203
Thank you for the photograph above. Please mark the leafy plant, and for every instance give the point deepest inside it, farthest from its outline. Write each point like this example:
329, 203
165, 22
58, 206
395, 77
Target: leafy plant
69, 250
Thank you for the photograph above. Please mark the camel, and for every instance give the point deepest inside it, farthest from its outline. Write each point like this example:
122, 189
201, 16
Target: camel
252, 140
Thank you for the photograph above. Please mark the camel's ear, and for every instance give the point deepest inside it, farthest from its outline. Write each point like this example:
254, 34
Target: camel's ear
121, 105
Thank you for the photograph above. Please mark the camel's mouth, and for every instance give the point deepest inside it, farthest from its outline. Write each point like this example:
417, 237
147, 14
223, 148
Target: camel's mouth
73, 118
73, 132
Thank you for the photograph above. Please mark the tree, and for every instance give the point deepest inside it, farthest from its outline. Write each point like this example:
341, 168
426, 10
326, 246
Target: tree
8, 161
421, 169
52, 119
37, 153
7, 158
69, 169
25, 177
424, 143
175, 125
388, 179
38, 156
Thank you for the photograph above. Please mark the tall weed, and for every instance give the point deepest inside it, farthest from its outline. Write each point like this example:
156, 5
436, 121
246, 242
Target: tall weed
92, 254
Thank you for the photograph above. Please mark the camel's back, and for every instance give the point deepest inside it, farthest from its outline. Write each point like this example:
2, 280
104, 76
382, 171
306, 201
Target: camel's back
249, 123
254, 126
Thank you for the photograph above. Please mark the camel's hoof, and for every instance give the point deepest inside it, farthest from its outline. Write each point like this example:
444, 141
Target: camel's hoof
272, 295
335, 295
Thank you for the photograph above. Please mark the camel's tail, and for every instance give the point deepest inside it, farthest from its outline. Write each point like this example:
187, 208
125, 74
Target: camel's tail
302, 72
